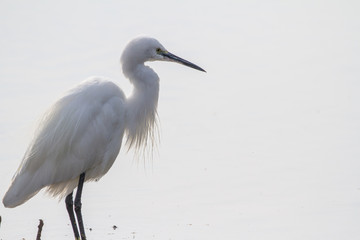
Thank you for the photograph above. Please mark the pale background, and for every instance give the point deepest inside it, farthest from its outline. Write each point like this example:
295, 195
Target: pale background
265, 145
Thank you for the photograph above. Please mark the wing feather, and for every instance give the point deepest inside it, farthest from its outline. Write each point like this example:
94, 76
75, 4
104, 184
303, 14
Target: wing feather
81, 132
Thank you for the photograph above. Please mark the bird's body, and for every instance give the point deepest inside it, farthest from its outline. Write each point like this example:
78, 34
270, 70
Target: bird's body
80, 136
81, 132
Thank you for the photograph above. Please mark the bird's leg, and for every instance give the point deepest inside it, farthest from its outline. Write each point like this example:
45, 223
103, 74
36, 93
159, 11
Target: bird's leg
78, 206
70, 208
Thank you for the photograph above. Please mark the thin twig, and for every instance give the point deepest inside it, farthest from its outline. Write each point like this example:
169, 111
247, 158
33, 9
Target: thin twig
41, 224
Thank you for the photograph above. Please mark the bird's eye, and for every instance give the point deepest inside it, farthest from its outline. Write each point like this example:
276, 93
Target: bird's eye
158, 50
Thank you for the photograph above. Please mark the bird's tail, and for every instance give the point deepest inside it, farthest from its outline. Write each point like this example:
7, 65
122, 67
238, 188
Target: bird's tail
20, 191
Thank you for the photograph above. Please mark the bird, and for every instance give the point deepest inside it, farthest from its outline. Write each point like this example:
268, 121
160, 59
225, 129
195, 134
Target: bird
80, 135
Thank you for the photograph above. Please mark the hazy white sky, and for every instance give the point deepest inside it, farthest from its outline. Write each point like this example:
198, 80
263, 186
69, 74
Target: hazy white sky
263, 146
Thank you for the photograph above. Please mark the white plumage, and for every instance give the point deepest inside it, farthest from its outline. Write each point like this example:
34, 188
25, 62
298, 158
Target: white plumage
81, 134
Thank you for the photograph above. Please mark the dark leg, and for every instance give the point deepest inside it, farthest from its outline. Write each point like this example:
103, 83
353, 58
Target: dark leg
70, 209
78, 206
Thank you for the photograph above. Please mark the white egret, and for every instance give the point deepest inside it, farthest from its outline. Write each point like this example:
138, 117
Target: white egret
80, 136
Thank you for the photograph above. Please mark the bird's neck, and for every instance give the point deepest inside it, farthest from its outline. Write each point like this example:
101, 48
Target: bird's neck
141, 117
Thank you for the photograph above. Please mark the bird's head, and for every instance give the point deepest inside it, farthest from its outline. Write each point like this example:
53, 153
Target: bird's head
144, 49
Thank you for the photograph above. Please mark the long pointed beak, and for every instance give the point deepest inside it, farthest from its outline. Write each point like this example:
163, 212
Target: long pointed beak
177, 59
